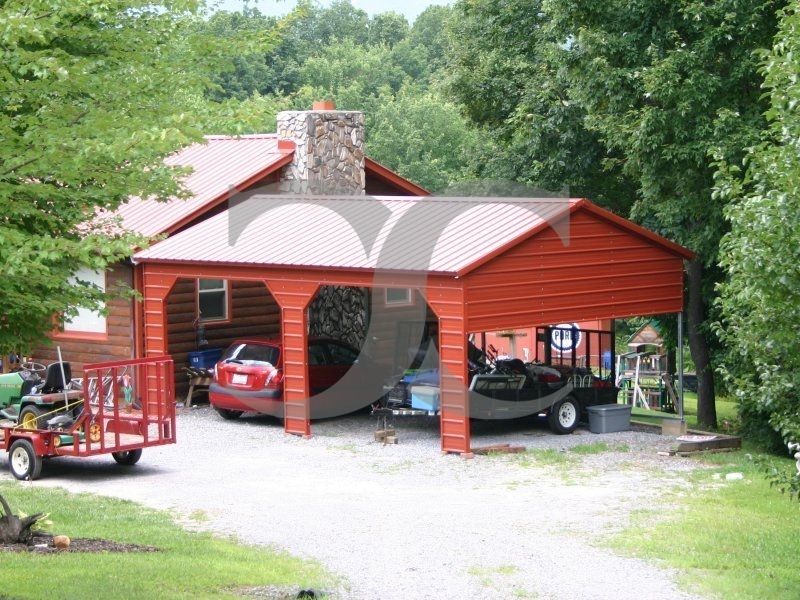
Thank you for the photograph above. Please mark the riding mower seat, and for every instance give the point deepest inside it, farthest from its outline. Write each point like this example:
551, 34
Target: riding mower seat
56, 386
53, 381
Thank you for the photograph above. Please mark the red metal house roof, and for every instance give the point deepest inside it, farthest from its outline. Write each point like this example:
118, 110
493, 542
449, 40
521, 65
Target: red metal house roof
218, 166
436, 235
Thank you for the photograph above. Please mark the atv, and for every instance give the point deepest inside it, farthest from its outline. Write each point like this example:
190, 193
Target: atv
39, 397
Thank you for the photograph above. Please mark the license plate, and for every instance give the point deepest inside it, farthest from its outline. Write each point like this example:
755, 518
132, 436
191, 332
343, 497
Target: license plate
239, 378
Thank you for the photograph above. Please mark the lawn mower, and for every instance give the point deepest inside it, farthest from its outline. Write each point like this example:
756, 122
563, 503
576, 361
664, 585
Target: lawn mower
40, 397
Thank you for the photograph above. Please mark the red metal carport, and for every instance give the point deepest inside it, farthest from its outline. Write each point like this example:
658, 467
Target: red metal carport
482, 265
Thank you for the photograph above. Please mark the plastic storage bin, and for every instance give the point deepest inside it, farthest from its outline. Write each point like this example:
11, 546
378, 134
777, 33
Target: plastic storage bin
608, 418
205, 359
424, 397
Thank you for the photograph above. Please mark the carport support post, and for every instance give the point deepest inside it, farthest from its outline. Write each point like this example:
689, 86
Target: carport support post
680, 366
454, 380
156, 287
294, 298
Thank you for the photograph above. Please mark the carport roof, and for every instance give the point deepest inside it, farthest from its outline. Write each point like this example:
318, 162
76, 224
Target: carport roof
435, 235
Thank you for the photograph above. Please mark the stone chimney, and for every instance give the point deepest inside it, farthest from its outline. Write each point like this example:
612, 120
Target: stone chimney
329, 151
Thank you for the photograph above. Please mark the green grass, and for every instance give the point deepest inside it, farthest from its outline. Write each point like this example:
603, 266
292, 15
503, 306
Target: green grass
593, 448
727, 414
731, 539
486, 575
188, 565
540, 457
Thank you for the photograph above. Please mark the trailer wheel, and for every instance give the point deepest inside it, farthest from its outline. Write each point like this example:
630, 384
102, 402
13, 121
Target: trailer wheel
229, 415
22, 460
127, 457
564, 415
29, 417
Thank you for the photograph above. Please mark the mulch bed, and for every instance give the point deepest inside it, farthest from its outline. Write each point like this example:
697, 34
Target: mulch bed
45, 545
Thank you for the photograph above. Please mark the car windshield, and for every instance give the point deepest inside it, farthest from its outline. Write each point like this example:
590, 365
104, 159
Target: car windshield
252, 354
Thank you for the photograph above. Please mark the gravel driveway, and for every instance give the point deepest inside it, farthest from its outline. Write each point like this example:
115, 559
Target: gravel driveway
404, 521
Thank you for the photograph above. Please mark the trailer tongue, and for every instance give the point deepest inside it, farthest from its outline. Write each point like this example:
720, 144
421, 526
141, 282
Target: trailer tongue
119, 408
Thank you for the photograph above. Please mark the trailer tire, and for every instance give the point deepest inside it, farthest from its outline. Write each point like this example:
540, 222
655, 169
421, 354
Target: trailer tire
127, 457
564, 415
22, 460
29, 417
229, 415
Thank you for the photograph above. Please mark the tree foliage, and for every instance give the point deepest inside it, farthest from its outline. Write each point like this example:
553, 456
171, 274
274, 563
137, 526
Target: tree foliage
378, 65
664, 84
509, 72
760, 299
422, 137
94, 96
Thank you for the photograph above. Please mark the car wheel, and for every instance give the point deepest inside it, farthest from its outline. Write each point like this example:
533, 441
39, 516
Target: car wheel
564, 415
29, 417
229, 415
127, 457
23, 462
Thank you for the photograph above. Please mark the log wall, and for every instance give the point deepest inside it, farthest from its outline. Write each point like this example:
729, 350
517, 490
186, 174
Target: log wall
384, 325
117, 344
252, 311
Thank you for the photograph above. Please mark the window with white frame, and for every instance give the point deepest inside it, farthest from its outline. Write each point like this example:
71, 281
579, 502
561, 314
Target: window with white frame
88, 321
398, 296
212, 299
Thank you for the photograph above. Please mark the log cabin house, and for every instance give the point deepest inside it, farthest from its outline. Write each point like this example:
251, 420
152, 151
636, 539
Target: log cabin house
315, 152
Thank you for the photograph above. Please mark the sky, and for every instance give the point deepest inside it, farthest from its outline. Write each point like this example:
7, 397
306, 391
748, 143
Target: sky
408, 8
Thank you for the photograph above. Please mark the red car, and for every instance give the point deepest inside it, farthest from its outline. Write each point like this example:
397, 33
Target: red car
249, 378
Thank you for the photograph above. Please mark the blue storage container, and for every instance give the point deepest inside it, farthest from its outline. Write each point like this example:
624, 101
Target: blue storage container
424, 397
205, 359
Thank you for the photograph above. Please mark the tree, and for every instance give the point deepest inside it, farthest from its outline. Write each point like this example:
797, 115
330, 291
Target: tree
420, 136
624, 102
252, 73
94, 97
387, 29
509, 72
760, 300
429, 32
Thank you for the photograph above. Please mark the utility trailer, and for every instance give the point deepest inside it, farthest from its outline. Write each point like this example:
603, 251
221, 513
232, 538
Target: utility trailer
118, 408
561, 389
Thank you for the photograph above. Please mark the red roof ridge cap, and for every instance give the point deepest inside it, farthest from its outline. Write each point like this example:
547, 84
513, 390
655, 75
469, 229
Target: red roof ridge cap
244, 136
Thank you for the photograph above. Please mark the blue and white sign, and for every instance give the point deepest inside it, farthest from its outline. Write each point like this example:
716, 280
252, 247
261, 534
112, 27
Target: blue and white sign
565, 337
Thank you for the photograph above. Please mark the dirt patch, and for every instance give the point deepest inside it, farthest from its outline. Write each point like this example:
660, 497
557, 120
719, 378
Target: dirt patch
45, 545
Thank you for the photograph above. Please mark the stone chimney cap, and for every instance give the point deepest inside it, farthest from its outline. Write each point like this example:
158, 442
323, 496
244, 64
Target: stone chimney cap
323, 105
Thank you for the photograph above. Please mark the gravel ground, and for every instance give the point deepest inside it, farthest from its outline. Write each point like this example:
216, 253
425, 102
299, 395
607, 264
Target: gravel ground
405, 521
